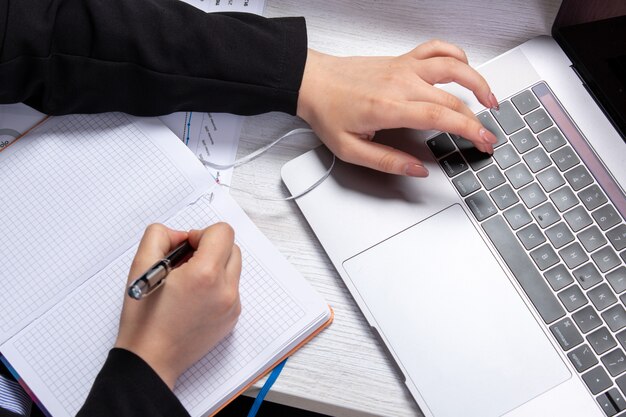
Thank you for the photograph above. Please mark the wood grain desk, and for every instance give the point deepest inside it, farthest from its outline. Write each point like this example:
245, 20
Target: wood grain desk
344, 371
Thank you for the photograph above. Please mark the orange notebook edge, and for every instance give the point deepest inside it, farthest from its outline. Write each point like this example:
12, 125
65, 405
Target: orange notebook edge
291, 352
25, 133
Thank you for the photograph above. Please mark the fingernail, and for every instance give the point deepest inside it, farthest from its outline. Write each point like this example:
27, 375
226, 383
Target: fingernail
487, 136
415, 170
494, 102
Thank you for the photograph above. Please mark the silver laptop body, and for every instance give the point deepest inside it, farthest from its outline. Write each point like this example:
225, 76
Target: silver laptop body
493, 297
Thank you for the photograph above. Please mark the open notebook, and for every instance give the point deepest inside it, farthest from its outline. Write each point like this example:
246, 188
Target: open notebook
82, 189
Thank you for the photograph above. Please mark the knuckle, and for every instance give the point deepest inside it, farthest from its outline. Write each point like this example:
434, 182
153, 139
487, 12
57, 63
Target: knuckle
436, 44
468, 125
209, 272
451, 63
384, 106
433, 113
228, 300
155, 228
225, 228
386, 162
452, 102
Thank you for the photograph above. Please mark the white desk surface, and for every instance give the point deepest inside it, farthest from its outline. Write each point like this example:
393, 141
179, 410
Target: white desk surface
343, 371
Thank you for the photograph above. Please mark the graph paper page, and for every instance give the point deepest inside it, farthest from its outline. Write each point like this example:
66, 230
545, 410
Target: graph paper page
60, 354
77, 192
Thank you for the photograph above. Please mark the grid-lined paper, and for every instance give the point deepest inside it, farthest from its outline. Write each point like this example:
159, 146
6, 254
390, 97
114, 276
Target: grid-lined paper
68, 205
69, 344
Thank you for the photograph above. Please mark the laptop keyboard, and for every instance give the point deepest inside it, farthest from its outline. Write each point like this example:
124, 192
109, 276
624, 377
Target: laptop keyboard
557, 231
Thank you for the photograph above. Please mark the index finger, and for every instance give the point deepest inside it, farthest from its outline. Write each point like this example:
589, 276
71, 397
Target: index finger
444, 70
157, 241
213, 244
426, 116
438, 48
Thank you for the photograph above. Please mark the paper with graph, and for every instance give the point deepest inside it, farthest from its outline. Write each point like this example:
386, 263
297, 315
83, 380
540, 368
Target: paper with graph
82, 190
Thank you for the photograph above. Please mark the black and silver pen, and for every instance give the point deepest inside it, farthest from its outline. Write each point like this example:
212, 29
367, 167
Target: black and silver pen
155, 276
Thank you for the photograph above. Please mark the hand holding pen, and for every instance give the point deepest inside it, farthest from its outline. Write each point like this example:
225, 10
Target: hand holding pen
196, 307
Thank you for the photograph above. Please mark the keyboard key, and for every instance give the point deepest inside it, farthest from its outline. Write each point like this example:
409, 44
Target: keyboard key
537, 159
602, 297
587, 276
606, 259
481, 206
538, 120
606, 217
508, 118
592, 197
573, 255
518, 175
440, 145
558, 277
559, 235
544, 256
617, 279
524, 141
531, 236
491, 177
523, 270
621, 338
487, 120
550, 179
573, 298
453, 164
582, 358
466, 183
532, 195
517, 216
525, 102
592, 238
587, 319
566, 334
601, 340
607, 405
473, 156
546, 215
504, 196
551, 139
597, 380
578, 177
506, 156
615, 362
615, 317
621, 383
564, 199
565, 158
617, 399
578, 218
617, 237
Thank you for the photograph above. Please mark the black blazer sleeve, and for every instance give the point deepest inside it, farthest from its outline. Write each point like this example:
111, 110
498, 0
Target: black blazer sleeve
127, 386
147, 57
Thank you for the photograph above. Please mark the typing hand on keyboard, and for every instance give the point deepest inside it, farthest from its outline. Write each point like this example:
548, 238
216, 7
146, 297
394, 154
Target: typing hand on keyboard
347, 99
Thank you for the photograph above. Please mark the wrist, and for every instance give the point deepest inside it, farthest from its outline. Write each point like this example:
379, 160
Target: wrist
312, 83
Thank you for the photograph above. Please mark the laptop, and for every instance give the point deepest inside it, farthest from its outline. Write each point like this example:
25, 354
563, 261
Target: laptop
498, 283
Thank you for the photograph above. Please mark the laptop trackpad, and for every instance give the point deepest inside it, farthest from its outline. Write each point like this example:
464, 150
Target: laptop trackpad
463, 334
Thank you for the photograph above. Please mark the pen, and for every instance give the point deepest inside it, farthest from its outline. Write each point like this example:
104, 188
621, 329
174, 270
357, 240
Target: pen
156, 274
